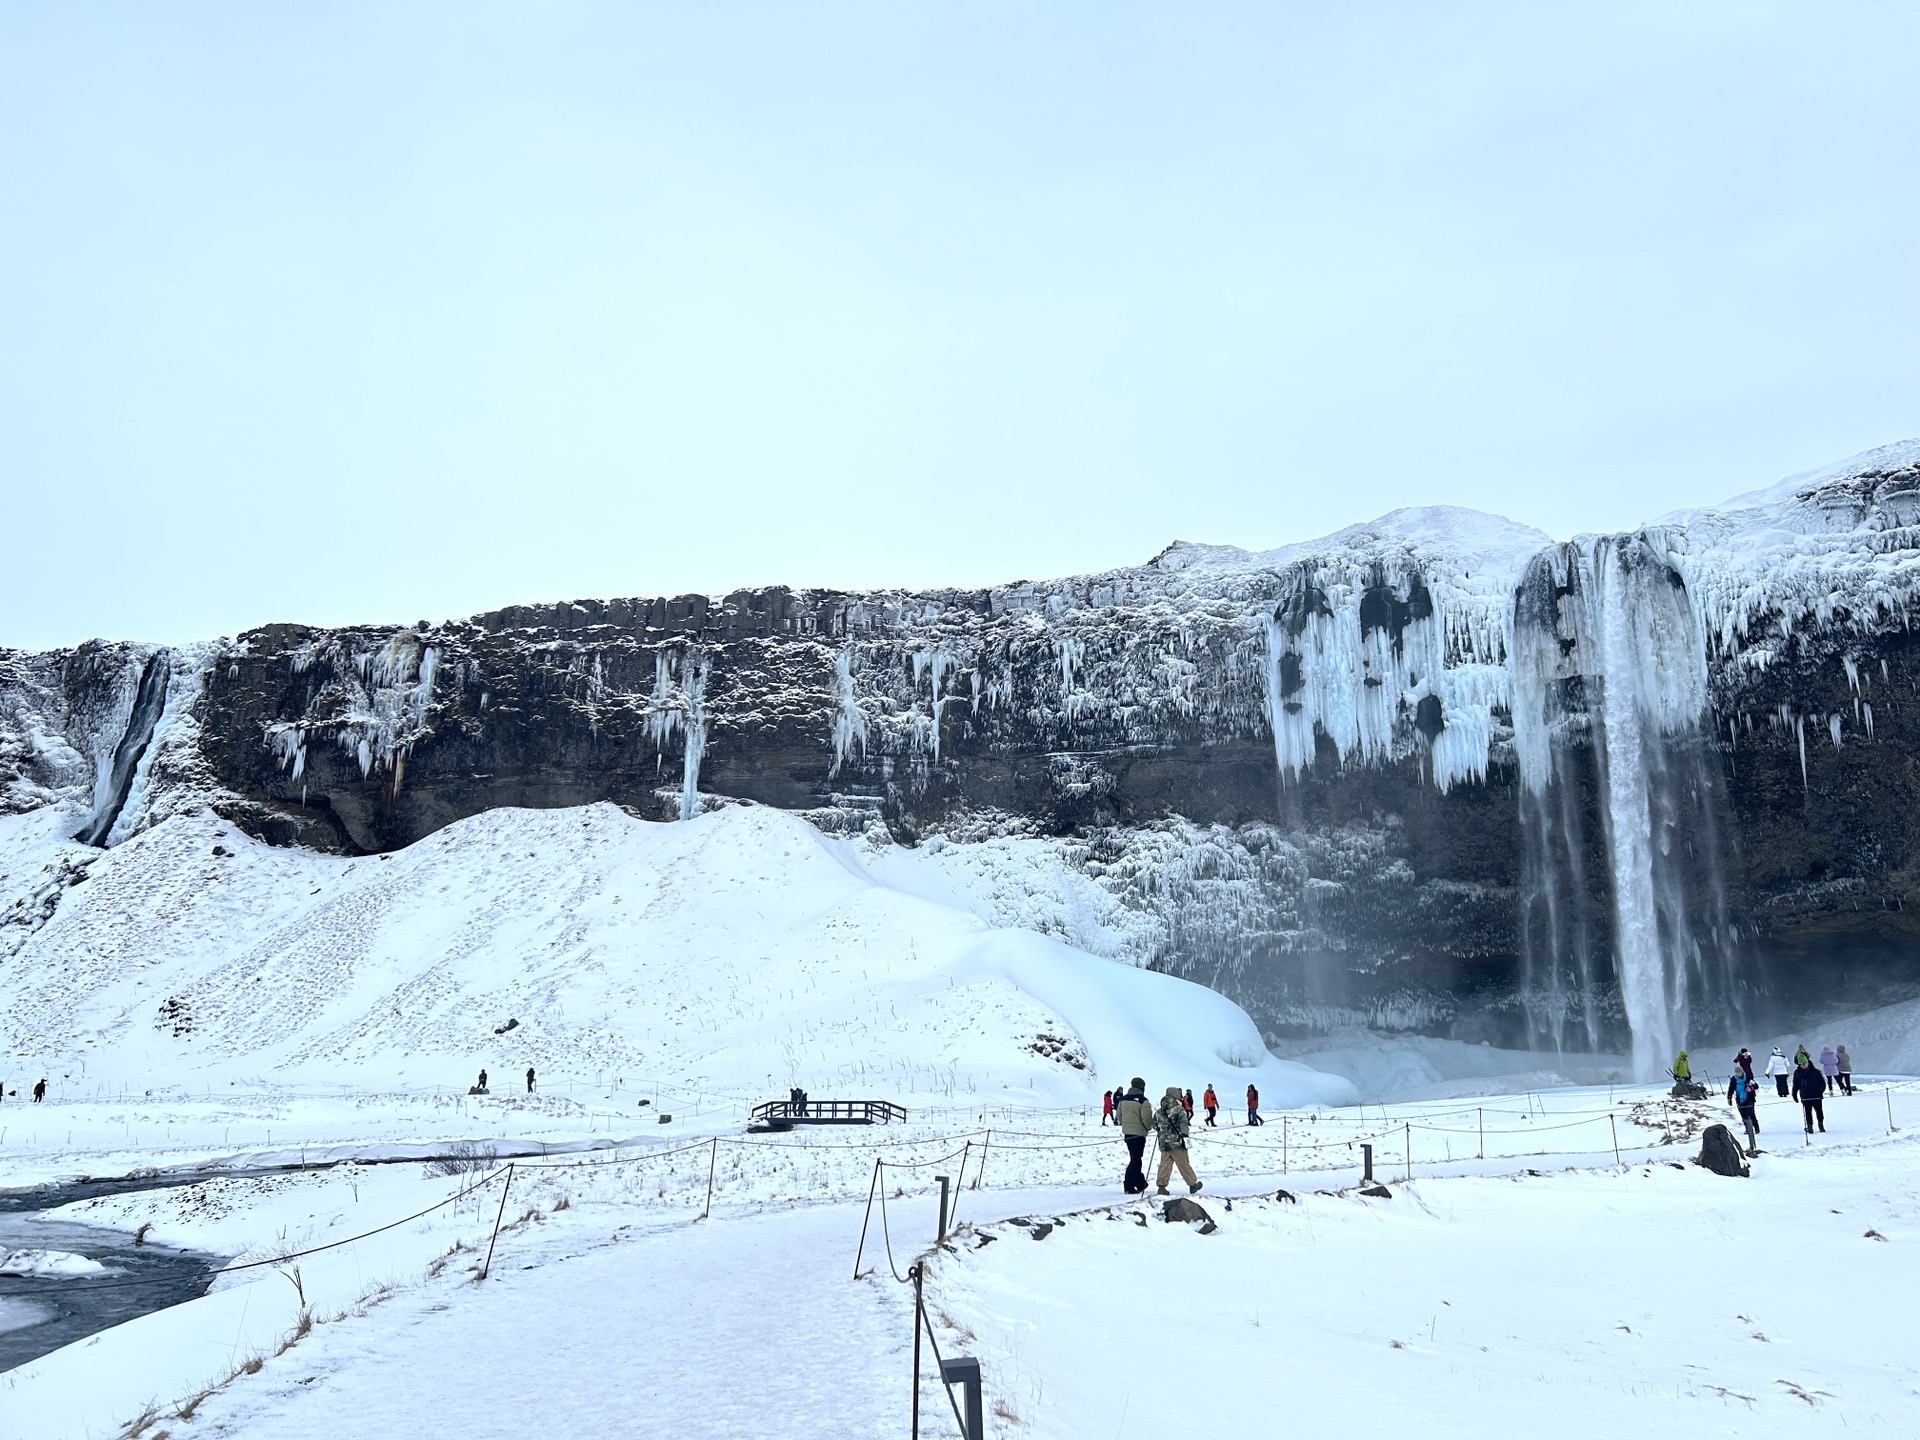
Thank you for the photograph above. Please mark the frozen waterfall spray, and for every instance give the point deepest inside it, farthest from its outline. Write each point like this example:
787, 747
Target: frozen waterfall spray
1607, 650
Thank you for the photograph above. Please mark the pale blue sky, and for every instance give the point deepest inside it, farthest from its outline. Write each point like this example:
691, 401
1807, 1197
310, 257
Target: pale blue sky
389, 311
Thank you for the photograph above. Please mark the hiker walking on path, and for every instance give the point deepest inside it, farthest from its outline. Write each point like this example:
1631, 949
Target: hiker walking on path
1808, 1087
1186, 1102
529, 1079
1778, 1068
1830, 1067
1801, 1055
39, 1092
1106, 1107
1742, 1095
1212, 1103
1253, 1106
1171, 1126
1135, 1114
1846, 1070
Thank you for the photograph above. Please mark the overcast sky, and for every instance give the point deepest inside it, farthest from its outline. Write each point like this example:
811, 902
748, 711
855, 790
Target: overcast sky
395, 311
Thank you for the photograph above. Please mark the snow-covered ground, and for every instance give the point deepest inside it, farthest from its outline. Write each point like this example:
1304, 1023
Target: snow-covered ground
612, 1307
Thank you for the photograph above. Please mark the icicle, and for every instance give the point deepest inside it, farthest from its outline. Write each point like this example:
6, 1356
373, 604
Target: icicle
1833, 729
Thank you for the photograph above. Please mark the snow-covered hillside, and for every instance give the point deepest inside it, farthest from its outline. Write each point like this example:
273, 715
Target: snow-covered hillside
738, 953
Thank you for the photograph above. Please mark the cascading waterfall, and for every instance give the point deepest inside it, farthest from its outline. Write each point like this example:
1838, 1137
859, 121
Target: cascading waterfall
115, 782
1609, 690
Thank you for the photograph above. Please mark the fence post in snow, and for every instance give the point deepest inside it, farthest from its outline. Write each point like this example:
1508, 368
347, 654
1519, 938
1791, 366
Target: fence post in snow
1892, 1129
1366, 1161
1408, 1142
1283, 1144
915, 1272
871, 1189
712, 1159
1615, 1129
488, 1266
1483, 1133
941, 1233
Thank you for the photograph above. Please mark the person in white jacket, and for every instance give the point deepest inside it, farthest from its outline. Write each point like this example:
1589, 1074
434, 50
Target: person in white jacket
1780, 1069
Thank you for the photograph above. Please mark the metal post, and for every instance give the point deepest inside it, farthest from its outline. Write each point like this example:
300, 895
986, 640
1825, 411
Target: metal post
1615, 1128
981, 1168
941, 1233
1892, 1129
496, 1221
1408, 1143
964, 1370
916, 1352
1366, 1160
712, 1160
1483, 1133
1283, 1144
871, 1190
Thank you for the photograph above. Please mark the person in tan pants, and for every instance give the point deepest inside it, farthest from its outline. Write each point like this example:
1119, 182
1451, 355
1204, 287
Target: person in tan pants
1170, 1123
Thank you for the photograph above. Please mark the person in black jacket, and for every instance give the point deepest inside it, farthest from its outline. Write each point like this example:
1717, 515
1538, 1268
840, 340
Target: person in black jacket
1808, 1086
1134, 1115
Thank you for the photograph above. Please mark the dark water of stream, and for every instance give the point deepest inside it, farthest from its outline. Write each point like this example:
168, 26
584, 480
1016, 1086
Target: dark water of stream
40, 1314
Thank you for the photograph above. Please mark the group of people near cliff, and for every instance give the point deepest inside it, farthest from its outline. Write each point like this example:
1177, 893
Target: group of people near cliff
1805, 1080
1168, 1124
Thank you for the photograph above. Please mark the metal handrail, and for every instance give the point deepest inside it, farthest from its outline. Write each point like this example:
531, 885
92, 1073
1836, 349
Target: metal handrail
827, 1111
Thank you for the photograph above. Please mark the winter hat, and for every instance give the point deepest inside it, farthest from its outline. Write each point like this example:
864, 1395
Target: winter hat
1776, 1049
1173, 1093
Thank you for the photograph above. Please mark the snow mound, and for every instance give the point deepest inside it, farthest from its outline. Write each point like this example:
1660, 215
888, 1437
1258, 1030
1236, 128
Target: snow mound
739, 952
49, 1264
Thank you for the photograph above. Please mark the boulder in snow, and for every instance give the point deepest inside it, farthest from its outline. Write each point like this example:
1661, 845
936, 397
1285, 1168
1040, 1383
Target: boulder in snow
1720, 1152
1188, 1212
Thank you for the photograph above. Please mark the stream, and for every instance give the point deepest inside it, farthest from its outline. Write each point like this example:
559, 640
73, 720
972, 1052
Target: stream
39, 1314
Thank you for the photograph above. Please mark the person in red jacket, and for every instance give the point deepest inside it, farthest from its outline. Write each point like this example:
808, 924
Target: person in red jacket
1253, 1106
1106, 1108
1186, 1102
1212, 1103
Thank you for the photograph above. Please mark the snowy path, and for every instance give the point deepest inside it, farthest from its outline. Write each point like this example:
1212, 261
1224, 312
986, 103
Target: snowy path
739, 1326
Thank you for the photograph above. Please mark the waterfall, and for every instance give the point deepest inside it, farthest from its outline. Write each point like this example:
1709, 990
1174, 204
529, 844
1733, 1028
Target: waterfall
1609, 692
116, 782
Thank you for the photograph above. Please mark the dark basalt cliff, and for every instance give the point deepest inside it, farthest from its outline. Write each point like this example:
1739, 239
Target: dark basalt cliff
1432, 773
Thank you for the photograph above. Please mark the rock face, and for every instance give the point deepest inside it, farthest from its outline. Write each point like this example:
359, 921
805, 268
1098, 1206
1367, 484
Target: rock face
1436, 772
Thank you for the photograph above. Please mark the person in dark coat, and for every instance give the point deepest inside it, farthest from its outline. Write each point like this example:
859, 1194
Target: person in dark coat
529, 1079
1135, 1116
483, 1082
1742, 1095
1846, 1070
39, 1092
1808, 1086
1745, 1061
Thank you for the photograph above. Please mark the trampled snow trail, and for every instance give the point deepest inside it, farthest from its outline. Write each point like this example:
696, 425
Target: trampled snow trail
733, 1327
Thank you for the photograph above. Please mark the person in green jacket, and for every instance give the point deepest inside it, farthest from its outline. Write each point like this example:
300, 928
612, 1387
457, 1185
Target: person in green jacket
1681, 1069
1171, 1123
1134, 1115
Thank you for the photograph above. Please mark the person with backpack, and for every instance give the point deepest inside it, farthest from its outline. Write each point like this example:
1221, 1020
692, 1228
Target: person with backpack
1808, 1087
1742, 1095
1212, 1103
1135, 1118
1253, 1107
1172, 1124
1778, 1068
1106, 1107
1846, 1070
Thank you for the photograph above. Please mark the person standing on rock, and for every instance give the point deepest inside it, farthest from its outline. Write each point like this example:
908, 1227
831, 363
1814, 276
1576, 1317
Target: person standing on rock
1682, 1070
1778, 1068
1830, 1067
1106, 1107
1212, 1103
1253, 1106
529, 1079
1846, 1070
1135, 1118
1171, 1125
1808, 1087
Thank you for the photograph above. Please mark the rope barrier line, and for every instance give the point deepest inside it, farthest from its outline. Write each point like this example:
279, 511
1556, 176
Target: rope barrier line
312, 1250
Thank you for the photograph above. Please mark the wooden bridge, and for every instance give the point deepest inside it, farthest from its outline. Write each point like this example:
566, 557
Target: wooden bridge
785, 1114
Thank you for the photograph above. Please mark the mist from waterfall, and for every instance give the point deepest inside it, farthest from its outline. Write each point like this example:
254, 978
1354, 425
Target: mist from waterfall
1609, 691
